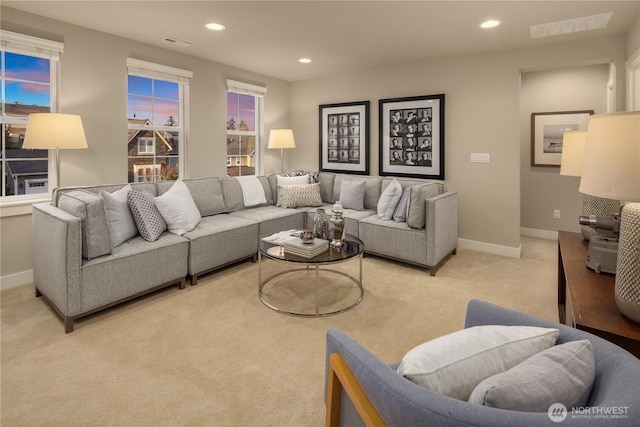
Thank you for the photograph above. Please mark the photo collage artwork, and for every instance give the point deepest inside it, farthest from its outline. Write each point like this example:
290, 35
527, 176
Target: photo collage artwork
410, 139
344, 138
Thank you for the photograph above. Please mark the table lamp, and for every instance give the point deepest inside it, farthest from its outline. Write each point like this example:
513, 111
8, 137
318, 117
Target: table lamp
573, 148
281, 138
53, 130
612, 169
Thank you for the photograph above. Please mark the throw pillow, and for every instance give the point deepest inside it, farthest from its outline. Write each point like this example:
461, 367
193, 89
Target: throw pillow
313, 178
298, 172
561, 374
389, 200
89, 207
178, 209
121, 224
400, 213
417, 214
295, 196
352, 195
290, 180
145, 214
453, 365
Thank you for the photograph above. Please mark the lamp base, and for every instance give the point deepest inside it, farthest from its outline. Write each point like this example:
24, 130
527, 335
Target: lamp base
627, 288
603, 255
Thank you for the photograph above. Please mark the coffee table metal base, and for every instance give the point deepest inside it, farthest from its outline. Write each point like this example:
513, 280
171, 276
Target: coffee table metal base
318, 270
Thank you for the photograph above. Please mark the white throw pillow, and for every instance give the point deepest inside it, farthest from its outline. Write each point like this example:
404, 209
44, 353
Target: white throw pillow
389, 200
178, 209
453, 365
290, 180
122, 227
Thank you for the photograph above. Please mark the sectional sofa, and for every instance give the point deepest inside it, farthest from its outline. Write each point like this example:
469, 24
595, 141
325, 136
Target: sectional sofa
79, 268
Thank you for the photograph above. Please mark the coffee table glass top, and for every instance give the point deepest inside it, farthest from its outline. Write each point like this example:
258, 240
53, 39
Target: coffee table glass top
351, 247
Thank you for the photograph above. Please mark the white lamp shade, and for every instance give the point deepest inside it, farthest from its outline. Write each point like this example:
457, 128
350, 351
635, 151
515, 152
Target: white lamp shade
51, 130
281, 138
612, 157
573, 148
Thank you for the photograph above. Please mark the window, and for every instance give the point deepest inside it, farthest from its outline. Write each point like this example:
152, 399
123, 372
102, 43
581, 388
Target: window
157, 100
29, 69
244, 127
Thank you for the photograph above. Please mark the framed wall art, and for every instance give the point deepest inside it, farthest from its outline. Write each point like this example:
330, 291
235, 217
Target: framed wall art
412, 136
344, 137
547, 130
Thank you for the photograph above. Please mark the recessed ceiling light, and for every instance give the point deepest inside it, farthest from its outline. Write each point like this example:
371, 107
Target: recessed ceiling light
215, 26
304, 60
491, 23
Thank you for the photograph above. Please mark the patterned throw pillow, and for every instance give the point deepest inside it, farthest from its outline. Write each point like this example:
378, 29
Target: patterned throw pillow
147, 217
298, 172
400, 214
313, 177
301, 195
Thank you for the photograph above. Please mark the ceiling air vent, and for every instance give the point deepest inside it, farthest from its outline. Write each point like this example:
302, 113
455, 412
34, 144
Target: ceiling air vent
587, 23
176, 41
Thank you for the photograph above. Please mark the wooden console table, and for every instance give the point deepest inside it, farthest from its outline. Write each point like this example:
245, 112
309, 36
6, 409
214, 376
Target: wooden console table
586, 299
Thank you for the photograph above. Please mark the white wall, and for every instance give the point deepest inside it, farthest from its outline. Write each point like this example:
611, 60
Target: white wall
543, 189
482, 115
94, 84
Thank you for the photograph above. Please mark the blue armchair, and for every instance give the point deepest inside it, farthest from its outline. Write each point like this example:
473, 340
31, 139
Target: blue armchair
383, 397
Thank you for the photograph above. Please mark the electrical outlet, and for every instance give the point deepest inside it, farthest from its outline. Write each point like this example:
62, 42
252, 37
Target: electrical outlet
556, 213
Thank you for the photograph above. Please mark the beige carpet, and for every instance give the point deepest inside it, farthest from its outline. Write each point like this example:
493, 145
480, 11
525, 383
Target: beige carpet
213, 355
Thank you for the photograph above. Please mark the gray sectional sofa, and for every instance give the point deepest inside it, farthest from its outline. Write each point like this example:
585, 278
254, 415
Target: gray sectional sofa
78, 271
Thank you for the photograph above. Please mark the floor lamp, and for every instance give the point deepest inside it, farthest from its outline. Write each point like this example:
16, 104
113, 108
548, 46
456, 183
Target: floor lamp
281, 138
54, 131
612, 170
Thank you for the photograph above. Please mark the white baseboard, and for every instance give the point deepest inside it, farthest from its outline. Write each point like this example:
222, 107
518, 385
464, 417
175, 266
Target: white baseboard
490, 248
17, 279
540, 234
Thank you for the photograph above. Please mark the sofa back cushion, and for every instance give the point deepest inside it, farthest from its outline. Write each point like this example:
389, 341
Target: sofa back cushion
233, 198
416, 216
327, 181
89, 207
372, 188
206, 193
109, 188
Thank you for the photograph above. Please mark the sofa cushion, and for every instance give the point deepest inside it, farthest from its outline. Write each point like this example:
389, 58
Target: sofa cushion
304, 195
206, 193
389, 200
352, 195
121, 224
178, 209
416, 217
561, 374
89, 207
326, 181
400, 212
454, 364
145, 214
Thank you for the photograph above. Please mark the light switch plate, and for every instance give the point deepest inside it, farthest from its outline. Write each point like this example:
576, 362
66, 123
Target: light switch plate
480, 158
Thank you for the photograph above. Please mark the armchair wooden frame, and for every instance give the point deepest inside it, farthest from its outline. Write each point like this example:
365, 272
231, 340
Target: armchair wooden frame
341, 377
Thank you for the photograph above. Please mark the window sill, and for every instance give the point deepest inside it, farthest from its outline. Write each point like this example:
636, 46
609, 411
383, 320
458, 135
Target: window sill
21, 207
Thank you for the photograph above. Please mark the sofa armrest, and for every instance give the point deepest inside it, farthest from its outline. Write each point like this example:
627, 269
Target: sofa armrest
57, 257
441, 225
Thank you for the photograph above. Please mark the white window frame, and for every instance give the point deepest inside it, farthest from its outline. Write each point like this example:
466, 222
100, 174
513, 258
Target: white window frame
41, 48
258, 92
136, 67
144, 142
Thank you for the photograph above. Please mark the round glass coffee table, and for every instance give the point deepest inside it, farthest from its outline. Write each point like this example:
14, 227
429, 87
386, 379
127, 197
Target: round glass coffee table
303, 272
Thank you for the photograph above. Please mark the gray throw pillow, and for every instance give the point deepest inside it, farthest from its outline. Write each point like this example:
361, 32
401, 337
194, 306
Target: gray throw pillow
147, 217
89, 207
560, 374
400, 214
352, 195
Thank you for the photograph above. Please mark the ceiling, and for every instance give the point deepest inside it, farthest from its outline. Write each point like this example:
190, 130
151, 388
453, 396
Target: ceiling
268, 37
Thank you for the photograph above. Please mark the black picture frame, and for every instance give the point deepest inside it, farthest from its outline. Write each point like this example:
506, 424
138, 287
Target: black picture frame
547, 131
412, 137
344, 137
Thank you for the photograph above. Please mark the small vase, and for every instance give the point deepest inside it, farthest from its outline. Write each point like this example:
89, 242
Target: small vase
321, 224
336, 226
